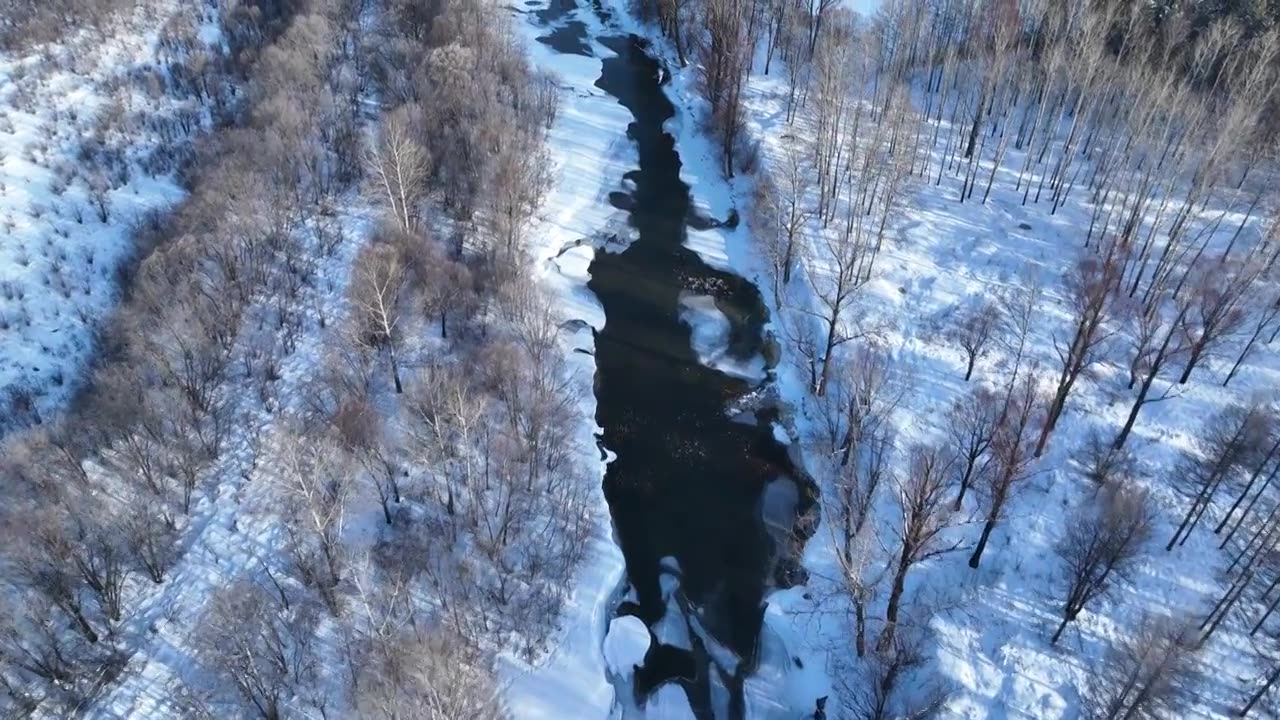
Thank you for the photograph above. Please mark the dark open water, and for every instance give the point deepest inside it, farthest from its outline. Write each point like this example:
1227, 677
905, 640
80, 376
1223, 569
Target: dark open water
688, 479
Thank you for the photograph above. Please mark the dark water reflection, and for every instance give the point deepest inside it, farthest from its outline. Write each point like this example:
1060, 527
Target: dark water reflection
687, 481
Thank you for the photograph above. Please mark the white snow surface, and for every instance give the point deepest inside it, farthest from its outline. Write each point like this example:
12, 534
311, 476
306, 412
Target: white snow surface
58, 260
669, 702
626, 644
710, 337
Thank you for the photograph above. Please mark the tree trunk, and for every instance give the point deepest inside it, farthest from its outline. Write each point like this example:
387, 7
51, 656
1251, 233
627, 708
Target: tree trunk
982, 543
1249, 508
1233, 594
1058, 633
1197, 352
895, 597
1157, 363
1270, 609
826, 355
85, 628
1248, 486
964, 483
1253, 700
977, 119
860, 619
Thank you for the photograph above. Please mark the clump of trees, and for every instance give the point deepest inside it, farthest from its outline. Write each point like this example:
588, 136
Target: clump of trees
439, 389
1155, 120
1103, 540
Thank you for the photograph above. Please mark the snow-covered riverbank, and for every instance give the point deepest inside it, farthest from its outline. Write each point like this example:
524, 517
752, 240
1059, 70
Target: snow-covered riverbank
589, 147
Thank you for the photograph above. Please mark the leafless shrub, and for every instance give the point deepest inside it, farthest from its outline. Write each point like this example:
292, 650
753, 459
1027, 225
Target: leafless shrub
972, 328
425, 674
1145, 674
1103, 464
1103, 539
261, 653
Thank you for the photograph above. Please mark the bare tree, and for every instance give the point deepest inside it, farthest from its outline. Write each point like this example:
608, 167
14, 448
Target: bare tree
1091, 290
1011, 457
362, 431
858, 483
782, 211
399, 167
857, 542
444, 417
44, 664
836, 286
314, 485
187, 439
44, 559
890, 689
1259, 469
99, 555
1166, 343
58, 449
262, 654
926, 515
427, 674
792, 39
1144, 673
1018, 315
865, 392
1227, 443
379, 299
1264, 318
1103, 539
151, 534
972, 423
973, 330
1270, 680
726, 57
517, 187
447, 287
1103, 464
1218, 309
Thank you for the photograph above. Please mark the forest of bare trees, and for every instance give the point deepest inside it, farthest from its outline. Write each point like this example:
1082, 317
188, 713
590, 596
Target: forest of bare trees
270, 347
339, 323
1158, 119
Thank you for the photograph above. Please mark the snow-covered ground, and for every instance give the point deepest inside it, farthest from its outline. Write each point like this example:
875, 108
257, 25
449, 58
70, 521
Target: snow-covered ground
992, 625
57, 263
63, 107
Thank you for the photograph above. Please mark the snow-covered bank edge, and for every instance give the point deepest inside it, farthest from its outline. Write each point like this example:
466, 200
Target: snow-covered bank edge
590, 152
